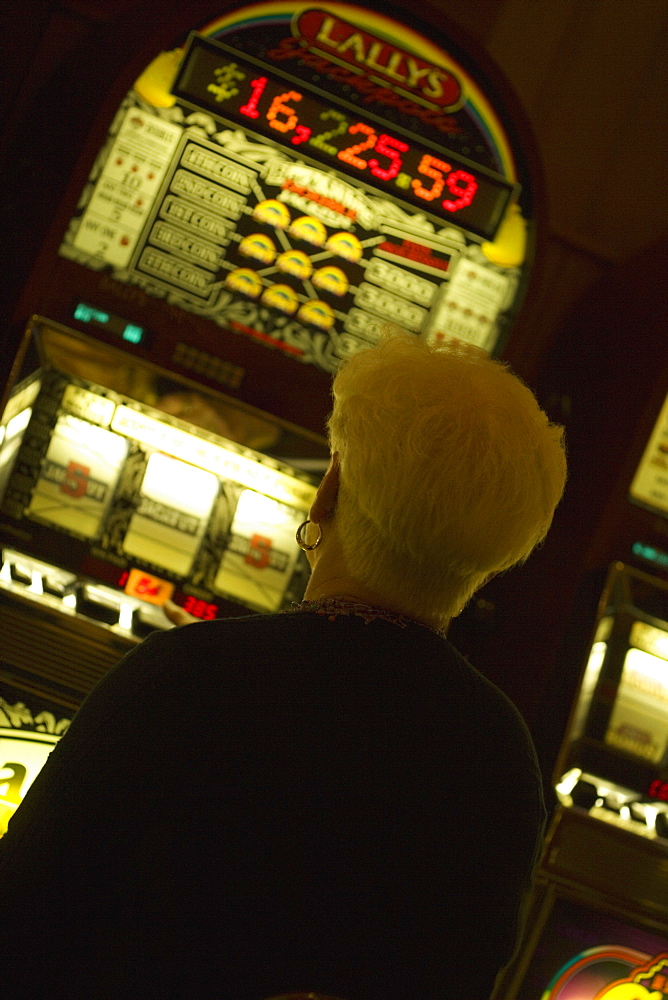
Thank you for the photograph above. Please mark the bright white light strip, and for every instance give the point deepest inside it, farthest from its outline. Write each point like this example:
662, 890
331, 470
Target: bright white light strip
18, 423
569, 781
125, 613
213, 458
648, 668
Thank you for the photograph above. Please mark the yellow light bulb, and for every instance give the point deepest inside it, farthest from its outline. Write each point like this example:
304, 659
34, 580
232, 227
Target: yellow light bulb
155, 83
509, 247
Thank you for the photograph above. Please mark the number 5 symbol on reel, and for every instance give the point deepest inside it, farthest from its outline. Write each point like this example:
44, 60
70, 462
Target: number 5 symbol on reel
259, 551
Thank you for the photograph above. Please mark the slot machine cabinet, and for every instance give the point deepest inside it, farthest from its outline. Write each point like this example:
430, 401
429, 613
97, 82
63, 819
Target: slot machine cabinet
109, 505
602, 885
273, 187
282, 181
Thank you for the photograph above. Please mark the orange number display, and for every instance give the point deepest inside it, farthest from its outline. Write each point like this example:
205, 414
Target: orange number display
430, 167
279, 107
148, 588
349, 155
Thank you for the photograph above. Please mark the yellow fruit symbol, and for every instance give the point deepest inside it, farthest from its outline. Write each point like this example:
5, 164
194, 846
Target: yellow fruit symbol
630, 991
510, 246
155, 83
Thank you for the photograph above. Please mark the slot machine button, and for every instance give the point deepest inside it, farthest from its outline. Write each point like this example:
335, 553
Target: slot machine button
92, 604
144, 623
20, 574
661, 824
53, 586
638, 812
585, 794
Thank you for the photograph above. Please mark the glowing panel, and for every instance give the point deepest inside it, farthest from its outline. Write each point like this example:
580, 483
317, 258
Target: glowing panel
88, 405
124, 192
147, 587
261, 554
217, 77
223, 462
174, 504
639, 720
22, 756
650, 483
77, 477
11, 436
589, 682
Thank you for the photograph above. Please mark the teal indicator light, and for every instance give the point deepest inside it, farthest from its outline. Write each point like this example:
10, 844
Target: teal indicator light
119, 327
89, 314
650, 554
135, 334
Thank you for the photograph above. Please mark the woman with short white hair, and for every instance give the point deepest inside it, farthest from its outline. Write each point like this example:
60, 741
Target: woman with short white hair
329, 799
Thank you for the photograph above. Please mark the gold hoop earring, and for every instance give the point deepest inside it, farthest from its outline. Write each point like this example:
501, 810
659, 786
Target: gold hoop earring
300, 538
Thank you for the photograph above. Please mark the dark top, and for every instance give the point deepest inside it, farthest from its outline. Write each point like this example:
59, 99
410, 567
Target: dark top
258, 805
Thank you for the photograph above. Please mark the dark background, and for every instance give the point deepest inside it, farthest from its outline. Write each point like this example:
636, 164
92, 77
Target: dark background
591, 338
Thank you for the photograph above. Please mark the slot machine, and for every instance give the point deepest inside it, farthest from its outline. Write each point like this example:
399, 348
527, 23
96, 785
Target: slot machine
269, 192
598, 920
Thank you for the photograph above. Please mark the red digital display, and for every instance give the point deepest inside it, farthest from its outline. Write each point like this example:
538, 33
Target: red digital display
147, 587
658, 790
199, 609
286, 110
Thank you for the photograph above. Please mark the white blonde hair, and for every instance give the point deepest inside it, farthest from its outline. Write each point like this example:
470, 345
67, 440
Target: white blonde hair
450, 471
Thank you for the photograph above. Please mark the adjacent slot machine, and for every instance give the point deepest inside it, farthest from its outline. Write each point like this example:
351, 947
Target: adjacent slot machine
270, 191
598, 921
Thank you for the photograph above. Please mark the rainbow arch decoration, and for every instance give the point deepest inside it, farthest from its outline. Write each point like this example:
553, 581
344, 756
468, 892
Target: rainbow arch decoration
285, 15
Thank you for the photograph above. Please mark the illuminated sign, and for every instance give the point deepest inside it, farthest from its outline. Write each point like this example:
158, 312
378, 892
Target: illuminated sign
387, 67
23, 753
305, 178
650, 483
611, 973
297, 115
145, 586
77, 476
221, 461
260, 556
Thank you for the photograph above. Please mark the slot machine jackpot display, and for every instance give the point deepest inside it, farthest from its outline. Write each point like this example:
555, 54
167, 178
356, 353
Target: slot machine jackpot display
268, 193
598, 926
283, 182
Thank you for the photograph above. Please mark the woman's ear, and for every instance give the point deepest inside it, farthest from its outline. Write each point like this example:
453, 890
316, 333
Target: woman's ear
324, 504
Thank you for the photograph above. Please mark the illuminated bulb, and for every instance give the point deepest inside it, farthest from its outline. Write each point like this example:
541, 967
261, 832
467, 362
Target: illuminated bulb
18, 423
6, 572
155, 83
70, 601
569, 781
125, 616
509, 247
36, 582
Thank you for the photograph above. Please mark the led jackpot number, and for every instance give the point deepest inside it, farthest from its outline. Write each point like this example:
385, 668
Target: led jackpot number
146, 587
281, 113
